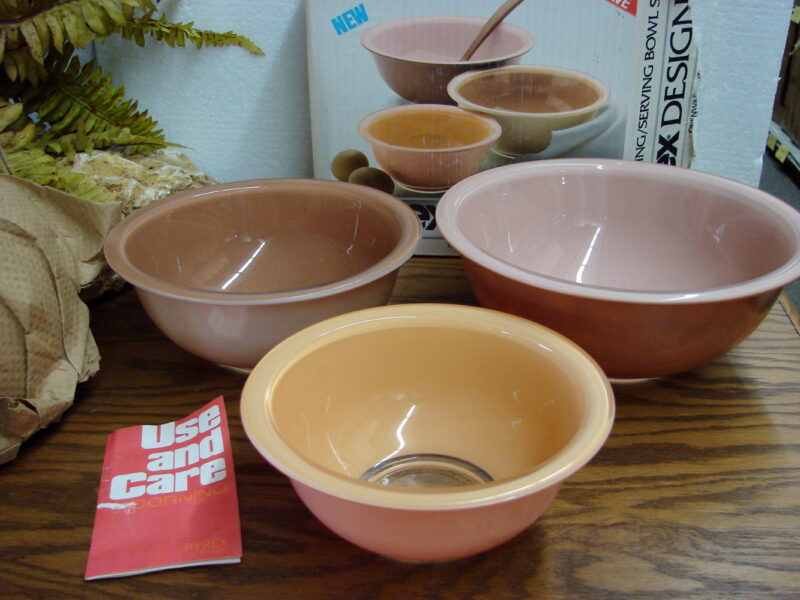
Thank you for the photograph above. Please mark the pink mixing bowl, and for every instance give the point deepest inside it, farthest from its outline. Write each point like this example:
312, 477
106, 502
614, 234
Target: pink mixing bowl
427, 431
227, 271
652, 269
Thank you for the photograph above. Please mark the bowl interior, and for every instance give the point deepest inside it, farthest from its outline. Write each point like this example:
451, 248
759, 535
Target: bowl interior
429, 128
469, 404
261, 239
625, 226
530, 91
444, 39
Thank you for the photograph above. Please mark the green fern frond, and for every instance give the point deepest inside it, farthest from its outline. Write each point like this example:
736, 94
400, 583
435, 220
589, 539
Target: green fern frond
45, 25
121, 140
78, 101
39, 167
81, 185
10, 113
178, 34
20, 159
27, 38
20, 65
202, 38
17, 140
34, 165
30, 36
60, 106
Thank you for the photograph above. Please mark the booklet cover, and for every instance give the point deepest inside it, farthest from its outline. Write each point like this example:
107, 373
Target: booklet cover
643, 52
167, 498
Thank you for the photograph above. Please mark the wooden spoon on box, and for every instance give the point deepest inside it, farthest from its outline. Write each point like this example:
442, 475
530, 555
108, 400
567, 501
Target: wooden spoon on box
495, 20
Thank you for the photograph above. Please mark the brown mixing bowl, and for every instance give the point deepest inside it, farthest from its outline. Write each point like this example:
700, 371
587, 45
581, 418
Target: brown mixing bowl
228, 271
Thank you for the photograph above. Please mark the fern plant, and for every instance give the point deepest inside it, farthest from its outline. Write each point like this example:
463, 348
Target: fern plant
53, 105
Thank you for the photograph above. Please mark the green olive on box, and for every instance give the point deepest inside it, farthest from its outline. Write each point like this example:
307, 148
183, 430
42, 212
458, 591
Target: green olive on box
372, 177
347, 161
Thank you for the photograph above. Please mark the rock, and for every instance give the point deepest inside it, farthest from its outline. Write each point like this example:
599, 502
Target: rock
138, 180
135, 181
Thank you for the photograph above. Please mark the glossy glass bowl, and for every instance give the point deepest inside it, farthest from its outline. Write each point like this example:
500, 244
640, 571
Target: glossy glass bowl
427, 431
418, 56
652, 269
229, 270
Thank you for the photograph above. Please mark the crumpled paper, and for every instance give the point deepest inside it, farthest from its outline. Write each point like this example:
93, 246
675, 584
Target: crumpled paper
50, 247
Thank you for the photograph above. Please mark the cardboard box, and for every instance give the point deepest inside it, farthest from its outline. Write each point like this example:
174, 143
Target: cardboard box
643, 51
786, 111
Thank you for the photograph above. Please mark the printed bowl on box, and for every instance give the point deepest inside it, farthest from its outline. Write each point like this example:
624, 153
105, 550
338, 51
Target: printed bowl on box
418, 56
530, 102
428, 147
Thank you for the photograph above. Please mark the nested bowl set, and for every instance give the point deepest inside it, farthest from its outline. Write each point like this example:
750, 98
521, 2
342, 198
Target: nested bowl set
435, 431
462, 109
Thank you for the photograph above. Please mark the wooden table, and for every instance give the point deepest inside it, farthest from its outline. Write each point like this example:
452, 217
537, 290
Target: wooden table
695, 495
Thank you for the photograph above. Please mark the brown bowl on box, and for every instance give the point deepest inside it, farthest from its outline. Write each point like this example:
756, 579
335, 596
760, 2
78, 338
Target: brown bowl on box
418, 56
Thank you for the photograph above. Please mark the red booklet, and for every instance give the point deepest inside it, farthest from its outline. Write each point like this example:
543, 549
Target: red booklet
167, 498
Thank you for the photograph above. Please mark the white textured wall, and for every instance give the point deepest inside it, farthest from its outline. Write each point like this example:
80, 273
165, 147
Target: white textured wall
741, 45
243, 116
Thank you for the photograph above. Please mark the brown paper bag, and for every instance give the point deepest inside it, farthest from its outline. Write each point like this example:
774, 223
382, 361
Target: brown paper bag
50, 246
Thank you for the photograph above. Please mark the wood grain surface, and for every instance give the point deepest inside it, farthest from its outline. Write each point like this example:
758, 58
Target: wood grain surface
695, 495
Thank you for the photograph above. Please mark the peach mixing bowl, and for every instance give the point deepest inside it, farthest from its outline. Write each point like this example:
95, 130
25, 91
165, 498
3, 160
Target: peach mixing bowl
418, 56
428, 147
530, 102
652, 269
228, 270
427, 431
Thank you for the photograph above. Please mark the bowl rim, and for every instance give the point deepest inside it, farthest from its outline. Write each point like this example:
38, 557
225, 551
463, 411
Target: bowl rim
604, 92
453, 199
495, 130
585, 443
378, 29
115, 242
